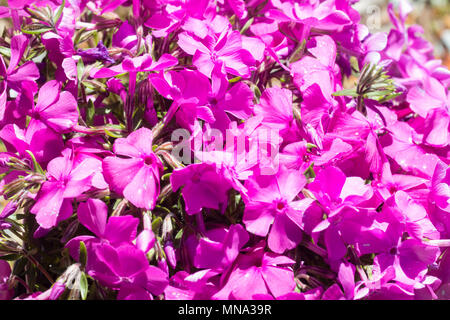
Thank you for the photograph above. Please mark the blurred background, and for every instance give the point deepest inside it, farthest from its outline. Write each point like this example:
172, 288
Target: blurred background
432, 15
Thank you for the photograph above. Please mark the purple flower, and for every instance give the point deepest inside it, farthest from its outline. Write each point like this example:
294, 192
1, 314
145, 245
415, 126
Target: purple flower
99, 53
6, 292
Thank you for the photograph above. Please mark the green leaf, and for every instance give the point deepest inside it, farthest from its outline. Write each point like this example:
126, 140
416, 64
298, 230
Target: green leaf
179, 234
59, 12
346, 92
156, 224
390, 97
83, 253
166, 176
247, 25
309, 173
90, 113
378, 94
36, 165
297, 54
36, 28
112, 134
80, 69
5, 51
236, 79
83, 286
2, 146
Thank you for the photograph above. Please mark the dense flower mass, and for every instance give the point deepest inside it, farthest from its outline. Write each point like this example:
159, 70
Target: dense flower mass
233, 149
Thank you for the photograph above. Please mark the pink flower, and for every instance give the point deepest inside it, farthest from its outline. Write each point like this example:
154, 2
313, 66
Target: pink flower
67, 178
276, 109
125, 268
227, 47
258, 273
320, 68
58, 110
135, 174
203, 187
432, 103
272, 202
218, 248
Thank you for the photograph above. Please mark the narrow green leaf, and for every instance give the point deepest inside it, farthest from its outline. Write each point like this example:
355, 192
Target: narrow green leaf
83, 286
346, 92
247, 25
166, 176
83, 253
156, 223
36, 165
5, 51
59, 12
90, 113
112, 134
179, 234
80, 69
36, 28
236, 79
375, 94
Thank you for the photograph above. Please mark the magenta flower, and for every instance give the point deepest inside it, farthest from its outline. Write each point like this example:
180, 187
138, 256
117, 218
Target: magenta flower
335, 191
125, 268
58, 110
6, 292
125, 37
276, 109
135, 174
258, 274
14, 75
320, 68
67, 178
325, 15
227, 47
432, 103
410, 260
272, 202
93, 214
37, 138
203, 187
219, 247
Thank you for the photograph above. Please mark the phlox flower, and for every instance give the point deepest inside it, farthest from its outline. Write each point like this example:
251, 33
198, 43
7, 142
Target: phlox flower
203, 187
258, 274
226, 47
6, 292
272, 201
135, 170
67, 178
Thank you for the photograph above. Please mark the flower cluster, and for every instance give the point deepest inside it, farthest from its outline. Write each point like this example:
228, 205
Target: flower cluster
315, 163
